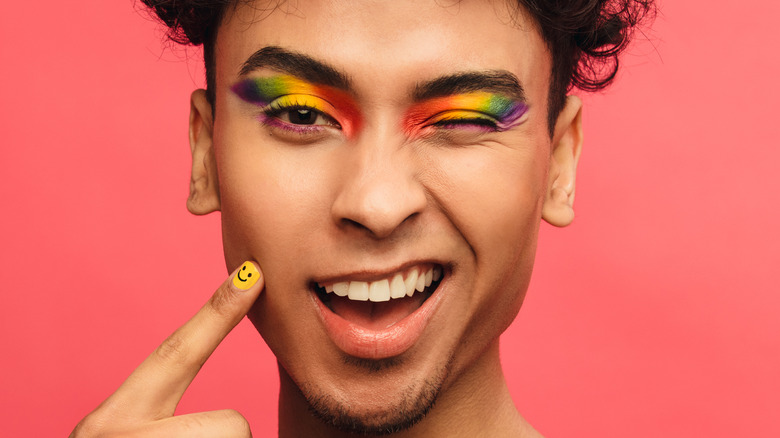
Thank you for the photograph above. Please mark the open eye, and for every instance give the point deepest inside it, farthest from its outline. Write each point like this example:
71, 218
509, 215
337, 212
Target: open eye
301, 111
304, 116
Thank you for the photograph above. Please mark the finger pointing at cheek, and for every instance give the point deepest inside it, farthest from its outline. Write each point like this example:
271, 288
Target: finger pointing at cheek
154, 389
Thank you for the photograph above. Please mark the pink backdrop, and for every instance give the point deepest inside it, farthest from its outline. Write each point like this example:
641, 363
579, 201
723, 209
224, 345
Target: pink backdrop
656, 314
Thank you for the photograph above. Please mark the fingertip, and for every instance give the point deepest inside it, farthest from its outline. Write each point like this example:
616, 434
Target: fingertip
247, 276
239, 291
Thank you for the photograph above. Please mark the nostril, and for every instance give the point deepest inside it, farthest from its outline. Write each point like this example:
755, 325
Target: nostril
376, 228
353, 224
411, 217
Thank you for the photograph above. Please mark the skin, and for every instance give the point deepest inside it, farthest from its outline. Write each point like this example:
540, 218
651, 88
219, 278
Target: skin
370, 202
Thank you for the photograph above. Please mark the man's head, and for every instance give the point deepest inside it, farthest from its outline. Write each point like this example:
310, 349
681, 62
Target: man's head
387, 163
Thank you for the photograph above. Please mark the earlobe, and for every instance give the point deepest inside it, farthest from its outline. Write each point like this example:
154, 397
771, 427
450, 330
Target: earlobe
558, 208
204, 183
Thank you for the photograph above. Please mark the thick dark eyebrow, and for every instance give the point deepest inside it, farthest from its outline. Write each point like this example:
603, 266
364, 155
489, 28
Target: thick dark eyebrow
318, 72
493, 81
296, 64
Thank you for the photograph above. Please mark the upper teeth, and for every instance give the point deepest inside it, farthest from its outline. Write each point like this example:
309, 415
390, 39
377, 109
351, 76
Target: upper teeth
417, 279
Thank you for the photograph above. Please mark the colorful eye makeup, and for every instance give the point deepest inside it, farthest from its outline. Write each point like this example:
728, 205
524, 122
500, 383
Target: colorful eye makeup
296, 105
479, 111
293, 105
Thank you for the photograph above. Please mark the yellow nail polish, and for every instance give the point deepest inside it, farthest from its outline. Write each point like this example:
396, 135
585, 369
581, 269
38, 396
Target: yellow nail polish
246, 277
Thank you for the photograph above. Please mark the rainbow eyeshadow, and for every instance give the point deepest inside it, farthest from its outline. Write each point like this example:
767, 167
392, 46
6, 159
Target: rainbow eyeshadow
503, 111
330, 101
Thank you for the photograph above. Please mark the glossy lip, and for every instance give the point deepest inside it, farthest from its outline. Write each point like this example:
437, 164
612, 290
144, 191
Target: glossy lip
361, 342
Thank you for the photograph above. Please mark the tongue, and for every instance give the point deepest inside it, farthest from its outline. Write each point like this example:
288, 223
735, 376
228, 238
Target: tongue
374, 316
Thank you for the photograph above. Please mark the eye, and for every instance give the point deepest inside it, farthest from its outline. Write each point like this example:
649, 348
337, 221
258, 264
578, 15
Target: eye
459, 119
302, 116
471, 120
299, 111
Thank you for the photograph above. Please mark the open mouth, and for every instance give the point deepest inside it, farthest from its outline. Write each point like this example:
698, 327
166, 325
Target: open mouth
379, 304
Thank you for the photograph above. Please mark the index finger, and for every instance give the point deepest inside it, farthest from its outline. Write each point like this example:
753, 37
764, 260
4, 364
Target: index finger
154, 389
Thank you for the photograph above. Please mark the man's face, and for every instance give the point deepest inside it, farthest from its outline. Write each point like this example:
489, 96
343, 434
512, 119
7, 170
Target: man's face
427, 152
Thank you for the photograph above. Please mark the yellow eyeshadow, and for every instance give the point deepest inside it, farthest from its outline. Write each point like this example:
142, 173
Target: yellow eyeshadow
458, 115
301, 100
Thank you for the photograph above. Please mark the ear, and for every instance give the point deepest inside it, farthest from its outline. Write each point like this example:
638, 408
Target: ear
204, 184
558, 208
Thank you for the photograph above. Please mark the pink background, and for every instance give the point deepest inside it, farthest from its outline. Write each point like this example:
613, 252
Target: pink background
656, 314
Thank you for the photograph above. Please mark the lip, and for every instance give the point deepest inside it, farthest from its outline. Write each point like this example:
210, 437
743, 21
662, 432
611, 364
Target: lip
358, 341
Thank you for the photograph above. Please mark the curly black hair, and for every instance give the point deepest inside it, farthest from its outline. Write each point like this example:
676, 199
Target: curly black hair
584, 37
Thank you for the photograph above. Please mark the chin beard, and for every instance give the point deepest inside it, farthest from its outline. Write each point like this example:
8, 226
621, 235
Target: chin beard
413, 406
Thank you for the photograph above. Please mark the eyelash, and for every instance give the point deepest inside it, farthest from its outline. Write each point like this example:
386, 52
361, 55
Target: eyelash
288, 104
477, 121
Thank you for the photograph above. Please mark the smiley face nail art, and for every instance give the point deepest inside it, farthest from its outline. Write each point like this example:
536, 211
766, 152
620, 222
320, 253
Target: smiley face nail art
246, 277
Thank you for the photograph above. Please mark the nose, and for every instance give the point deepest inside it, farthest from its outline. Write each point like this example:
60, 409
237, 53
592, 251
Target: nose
379, 190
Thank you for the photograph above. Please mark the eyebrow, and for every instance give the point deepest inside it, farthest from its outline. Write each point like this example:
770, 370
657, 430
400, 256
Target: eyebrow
495, 81
296, 64
318, 72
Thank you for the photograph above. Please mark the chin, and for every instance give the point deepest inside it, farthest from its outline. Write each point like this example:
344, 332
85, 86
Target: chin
372, 411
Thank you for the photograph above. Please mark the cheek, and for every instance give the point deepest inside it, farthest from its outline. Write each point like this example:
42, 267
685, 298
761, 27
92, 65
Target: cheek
268, 194
494, 197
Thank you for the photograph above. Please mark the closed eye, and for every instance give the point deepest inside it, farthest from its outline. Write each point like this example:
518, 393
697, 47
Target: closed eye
459, 119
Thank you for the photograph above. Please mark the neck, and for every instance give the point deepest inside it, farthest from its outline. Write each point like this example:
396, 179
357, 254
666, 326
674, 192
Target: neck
476, 403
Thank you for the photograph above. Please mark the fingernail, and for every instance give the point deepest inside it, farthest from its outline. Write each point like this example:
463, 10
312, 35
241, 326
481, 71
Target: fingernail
246, 277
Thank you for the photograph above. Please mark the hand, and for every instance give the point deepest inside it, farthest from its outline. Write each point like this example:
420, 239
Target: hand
145, 403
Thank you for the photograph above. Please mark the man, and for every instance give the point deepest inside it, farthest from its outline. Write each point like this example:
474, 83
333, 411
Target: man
381, 168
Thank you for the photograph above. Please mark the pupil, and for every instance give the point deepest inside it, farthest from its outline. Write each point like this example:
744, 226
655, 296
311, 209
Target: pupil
302, 117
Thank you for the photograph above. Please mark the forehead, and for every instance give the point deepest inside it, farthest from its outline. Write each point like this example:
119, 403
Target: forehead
386, 46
